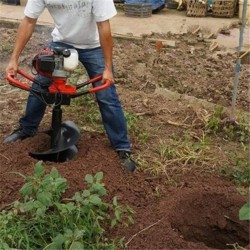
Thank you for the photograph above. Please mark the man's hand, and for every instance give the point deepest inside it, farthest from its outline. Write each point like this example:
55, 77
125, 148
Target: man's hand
12, 67
108, 75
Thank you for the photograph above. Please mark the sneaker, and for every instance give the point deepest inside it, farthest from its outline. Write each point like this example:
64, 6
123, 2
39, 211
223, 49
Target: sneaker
126, 160
16, 135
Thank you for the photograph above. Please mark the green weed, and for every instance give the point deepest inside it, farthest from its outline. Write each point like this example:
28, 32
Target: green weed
173, 156
85, 108
143, 137
86, 112
135, 128
43, 220
183, 150
6, 47
132, 122
218, 124
236, 132
213, 122
239, 172
78, 74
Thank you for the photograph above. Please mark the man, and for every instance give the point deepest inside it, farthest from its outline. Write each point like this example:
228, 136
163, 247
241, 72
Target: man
83, 25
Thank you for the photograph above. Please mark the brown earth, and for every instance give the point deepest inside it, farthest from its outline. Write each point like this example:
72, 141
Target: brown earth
178, 205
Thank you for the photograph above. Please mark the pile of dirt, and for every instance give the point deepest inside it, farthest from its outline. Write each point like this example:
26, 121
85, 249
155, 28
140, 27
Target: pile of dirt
196, 214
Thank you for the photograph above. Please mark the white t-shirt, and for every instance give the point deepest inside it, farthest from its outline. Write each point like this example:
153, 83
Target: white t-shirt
75, 20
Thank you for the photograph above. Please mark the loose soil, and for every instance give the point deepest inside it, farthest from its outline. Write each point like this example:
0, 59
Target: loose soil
177, 205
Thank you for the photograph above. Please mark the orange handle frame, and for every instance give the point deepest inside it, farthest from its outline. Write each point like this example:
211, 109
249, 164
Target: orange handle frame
105, 85
16, 83
22, 85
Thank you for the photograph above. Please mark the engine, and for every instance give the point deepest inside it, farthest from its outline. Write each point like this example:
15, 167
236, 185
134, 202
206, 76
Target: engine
57, 62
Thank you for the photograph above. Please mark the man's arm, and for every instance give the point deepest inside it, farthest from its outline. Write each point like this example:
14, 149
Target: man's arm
24, 33
107, 48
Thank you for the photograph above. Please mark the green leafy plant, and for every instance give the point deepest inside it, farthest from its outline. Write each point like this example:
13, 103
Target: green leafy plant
135, 127
236, 132
213, 123
244, 213
43, 220
238, 172
230, 130
241, 172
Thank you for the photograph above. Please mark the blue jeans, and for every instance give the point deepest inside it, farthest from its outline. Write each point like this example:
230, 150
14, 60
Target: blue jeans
110, 107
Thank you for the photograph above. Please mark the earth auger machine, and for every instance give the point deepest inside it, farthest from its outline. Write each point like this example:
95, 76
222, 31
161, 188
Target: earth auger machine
56, 64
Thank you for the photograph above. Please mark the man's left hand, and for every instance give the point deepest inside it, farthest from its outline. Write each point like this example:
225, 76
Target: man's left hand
108, 75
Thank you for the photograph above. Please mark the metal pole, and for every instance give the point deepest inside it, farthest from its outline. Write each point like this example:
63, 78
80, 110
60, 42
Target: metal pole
237, 66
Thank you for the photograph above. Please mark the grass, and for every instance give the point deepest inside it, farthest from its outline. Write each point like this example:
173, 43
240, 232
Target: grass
214, 146
135, 128
174, 154
6, 47
218, 124
86, 113
239, 171
209, 148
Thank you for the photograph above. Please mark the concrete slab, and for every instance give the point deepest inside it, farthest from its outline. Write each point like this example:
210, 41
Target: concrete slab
15, 13
167, 20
